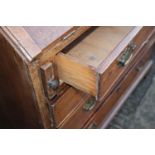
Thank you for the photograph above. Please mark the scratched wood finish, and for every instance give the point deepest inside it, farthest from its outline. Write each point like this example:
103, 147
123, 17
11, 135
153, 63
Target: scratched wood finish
91, 74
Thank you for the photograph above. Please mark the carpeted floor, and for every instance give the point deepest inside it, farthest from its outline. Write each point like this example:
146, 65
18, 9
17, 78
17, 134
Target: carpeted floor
138, 112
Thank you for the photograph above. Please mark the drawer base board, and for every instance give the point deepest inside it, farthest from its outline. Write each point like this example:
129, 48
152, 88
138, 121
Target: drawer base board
121, 101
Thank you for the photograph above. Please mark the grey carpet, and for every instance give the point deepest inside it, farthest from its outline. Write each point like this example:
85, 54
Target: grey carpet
145, 113
139, 110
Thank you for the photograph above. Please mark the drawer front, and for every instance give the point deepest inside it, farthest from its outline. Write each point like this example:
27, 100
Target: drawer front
82, 114
70, 109
115, 71
118, 92
66, 104
96, 81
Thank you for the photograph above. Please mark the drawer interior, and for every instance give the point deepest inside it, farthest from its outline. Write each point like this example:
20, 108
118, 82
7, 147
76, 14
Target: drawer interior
96, 46
80, 65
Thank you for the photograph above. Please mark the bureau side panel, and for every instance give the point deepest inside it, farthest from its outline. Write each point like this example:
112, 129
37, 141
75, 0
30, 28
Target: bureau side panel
17, 99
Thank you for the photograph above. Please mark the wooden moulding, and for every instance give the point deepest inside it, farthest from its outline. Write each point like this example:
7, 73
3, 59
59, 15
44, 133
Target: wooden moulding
22, 40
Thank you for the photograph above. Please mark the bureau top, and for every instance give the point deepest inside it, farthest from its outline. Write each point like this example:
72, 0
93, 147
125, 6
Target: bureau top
33, 40
42, 42
44, 35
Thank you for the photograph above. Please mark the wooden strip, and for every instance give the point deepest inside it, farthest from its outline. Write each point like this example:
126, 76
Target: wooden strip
47, 74
42, 101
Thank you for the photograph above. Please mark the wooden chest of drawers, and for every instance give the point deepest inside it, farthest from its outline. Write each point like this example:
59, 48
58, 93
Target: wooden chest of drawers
69, 77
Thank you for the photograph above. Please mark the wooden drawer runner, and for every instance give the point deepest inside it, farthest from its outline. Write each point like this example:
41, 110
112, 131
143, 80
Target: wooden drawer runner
106, 52
118, 92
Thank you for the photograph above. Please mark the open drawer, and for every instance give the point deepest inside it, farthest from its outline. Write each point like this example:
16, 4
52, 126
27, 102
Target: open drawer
95, 63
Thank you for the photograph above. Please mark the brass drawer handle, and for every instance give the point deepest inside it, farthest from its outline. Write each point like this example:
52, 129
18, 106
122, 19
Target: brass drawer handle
90, 104
127, 55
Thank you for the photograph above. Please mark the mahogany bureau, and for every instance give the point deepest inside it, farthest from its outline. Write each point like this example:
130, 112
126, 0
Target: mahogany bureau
70, 77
